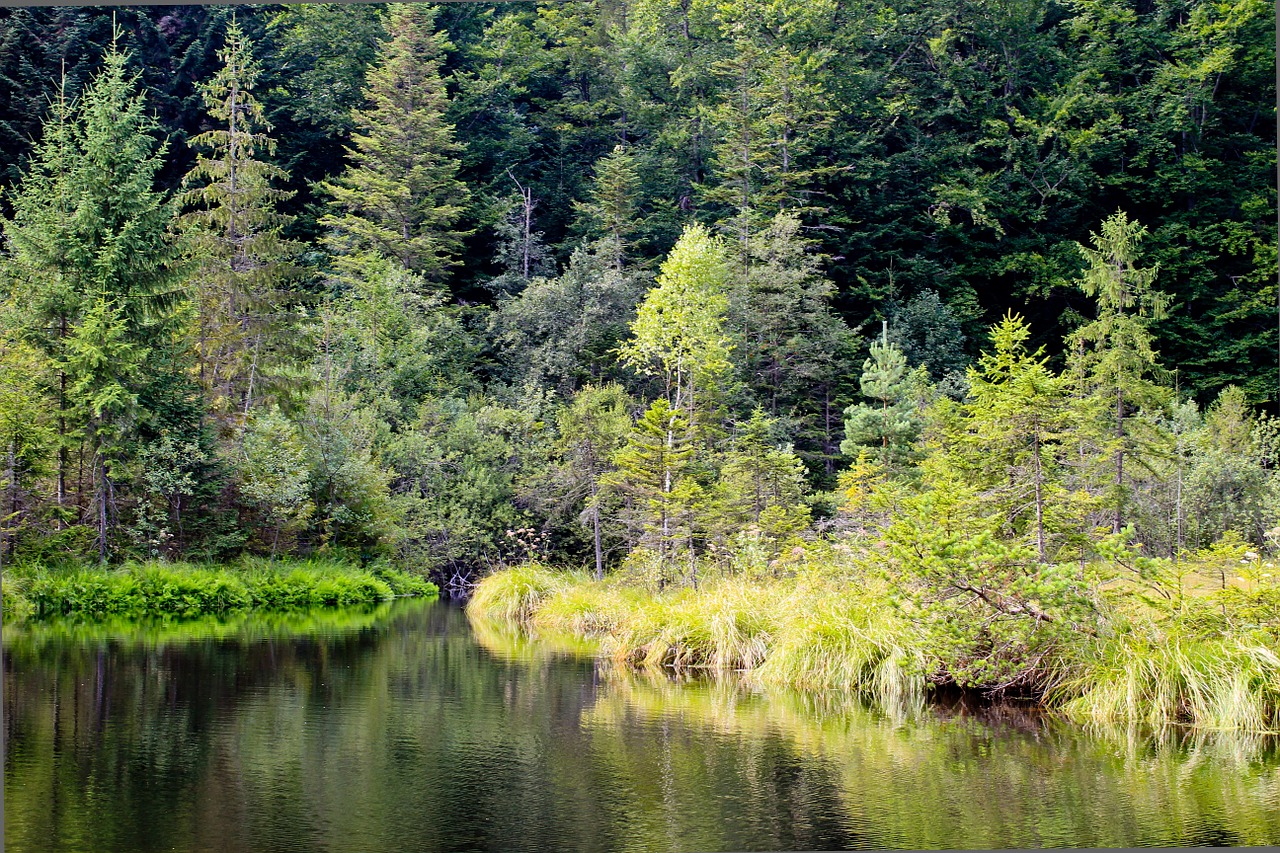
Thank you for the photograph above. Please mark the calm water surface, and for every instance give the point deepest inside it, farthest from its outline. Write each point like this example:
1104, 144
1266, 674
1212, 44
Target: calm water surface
405, 728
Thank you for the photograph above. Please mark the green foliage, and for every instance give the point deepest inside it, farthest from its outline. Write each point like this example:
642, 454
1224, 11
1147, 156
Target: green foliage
678, 334
176, 590
400, 197
890, 423
563, 332
245, 263
793, 352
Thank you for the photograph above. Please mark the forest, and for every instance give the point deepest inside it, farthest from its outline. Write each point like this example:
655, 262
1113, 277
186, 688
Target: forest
954, 325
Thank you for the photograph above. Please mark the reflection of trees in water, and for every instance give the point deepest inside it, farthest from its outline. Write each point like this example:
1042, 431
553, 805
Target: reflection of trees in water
971, 774
404, 729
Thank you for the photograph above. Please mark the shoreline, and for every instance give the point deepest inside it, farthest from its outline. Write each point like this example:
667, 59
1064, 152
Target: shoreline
829, 635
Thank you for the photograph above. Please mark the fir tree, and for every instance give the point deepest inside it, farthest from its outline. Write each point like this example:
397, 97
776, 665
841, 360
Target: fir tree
890, 423
400, 196
245, 261
1113, 356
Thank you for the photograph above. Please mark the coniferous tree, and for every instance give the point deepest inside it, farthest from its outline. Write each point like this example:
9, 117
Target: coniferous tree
1012, 434
1113, 357
92, 238
592, 429
245, 262
891, 422
611, 212
793, 352
653, 469
102, 367
400, 196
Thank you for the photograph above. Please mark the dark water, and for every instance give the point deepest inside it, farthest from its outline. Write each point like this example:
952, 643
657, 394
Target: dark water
404, 729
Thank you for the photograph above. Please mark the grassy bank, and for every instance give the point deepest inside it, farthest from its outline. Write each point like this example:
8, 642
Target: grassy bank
189, 590
1211, 664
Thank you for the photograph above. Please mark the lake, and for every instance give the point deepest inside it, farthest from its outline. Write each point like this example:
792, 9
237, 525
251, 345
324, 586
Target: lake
405, 728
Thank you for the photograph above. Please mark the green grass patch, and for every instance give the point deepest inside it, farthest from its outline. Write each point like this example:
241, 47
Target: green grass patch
187, 590
516, 594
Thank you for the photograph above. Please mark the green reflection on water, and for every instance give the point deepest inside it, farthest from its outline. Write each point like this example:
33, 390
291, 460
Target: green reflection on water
406, 728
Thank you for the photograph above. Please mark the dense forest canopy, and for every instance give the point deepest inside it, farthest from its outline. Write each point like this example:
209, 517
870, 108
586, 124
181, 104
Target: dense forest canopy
472, 282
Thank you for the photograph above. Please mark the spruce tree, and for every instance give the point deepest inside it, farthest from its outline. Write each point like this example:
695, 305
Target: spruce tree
793, 352
611, 213
91, 234
1113, 358
400, 196
1016, 416
890, 423
102, 365
653, 470
242, 294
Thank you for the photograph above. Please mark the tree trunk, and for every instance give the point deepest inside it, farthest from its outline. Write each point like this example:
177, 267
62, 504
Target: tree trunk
1039, 494
595, 524
1117, 519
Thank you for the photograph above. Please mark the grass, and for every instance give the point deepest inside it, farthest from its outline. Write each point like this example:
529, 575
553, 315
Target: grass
811, 633
1211, 663
516, 594
188, 590
1158, 675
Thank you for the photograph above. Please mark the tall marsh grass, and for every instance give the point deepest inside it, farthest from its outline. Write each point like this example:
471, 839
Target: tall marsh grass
516, 594
813, 634
834, 632
1161, 677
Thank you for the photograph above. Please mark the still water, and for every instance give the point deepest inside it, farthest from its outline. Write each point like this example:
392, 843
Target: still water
405, 728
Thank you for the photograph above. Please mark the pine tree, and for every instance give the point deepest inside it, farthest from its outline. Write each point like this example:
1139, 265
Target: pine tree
400, 196
592, 429
612, 212
761, 484
1016, 414
90, 229
241, 286
653, 470
794, 353
102, 366
40, 272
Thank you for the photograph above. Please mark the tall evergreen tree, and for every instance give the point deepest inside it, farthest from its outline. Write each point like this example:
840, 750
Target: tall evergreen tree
401, 196
242, 290
1113, 356
891, 422
92, 235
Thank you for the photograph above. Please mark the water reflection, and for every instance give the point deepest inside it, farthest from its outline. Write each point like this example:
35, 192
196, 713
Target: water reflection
404, 729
